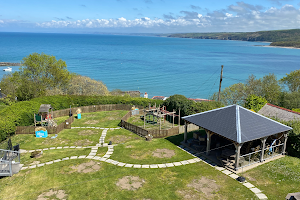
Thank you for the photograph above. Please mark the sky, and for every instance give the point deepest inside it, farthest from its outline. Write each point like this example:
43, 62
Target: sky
147, 16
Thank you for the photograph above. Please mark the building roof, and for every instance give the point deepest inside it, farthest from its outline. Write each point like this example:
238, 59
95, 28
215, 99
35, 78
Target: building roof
199, 100
45, 108
236, 123
280, 113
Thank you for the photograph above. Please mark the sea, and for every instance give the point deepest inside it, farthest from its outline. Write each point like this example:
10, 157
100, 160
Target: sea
160, 66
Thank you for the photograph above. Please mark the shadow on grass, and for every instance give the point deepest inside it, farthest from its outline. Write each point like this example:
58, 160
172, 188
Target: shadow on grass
176, 139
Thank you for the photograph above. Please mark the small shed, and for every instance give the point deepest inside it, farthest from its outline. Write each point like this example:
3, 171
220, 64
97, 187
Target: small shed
44, 116
239, 125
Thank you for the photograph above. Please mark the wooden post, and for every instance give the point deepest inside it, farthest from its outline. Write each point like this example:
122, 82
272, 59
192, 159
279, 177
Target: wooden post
220, 82
159, 122
262, 153
179, 118
284, 144
185, 132
144, 118
237, 155
208, 142
173, 118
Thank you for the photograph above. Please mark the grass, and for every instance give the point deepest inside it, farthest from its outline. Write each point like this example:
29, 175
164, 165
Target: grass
276, 178
136, 120
167, 183
59, 120
67, 137
120, 136
109, 119
50, 155
141, 152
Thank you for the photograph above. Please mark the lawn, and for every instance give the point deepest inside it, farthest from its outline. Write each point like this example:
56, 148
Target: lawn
107, 181
120, 136
104, 119
59, 120
67, 137
50, 155
277, 178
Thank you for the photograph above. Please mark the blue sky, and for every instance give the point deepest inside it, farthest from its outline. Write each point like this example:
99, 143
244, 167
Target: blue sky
148, 16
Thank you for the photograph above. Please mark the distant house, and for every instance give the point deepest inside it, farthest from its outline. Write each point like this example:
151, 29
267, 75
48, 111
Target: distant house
279, 113
199, 100
160, 97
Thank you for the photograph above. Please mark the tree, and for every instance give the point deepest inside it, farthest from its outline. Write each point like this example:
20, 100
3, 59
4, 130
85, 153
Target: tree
177, 102
37, 74
292, 81
255, 102
270, 89
234, 94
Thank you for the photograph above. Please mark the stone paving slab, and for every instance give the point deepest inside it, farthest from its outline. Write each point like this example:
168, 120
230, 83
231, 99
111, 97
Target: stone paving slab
154, 166
103, 159
45, 149
106, 156
72, 147
58, 147
109, 153
121, 164
191, 161
145, 166
79, 147
96, 158
137, 166
48, 163
32, 166
90, 157
67, 158
255, 190
177, 163
248, 185
94, 150
184, 162
52, 148
105, 145
23, 168
261, 196
82, 157
162, 165
220, 168
115, 162
58, 160
169, 164
92, 154
109, 160
128, 165
234, 176
66, 147
41, 165
227, 172
73, 157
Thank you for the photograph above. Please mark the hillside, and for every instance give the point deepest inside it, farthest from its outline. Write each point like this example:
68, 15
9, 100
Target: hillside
285, 38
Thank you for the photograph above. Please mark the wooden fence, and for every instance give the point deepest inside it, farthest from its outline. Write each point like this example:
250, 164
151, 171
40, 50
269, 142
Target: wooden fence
51, 130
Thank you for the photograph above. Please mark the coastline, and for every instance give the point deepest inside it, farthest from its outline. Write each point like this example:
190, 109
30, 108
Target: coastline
279, 47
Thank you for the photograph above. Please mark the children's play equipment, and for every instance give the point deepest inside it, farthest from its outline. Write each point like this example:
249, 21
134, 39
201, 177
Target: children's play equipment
45, 116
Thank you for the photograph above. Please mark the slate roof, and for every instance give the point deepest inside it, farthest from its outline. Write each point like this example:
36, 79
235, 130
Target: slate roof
45, 108
280, 113
237, 123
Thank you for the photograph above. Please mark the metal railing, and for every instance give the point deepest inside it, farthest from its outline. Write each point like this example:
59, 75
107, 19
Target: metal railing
6, 168
273, 151
249, 159
9, 155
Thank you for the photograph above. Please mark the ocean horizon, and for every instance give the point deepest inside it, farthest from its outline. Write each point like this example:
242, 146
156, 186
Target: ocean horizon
160, 66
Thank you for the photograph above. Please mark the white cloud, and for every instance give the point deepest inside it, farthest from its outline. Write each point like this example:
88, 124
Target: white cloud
238, 17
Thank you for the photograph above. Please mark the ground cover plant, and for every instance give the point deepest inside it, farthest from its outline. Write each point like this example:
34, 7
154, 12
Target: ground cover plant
104, 119
50, 155
88, 179
276, 178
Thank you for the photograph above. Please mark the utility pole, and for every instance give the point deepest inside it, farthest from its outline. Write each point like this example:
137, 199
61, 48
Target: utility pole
220, 82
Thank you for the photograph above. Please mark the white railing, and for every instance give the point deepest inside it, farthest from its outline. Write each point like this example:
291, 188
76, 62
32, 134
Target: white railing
249, 159
273, 151
6, 168
9, 155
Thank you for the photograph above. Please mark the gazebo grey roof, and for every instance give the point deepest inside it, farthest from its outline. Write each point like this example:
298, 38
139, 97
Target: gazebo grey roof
236, 123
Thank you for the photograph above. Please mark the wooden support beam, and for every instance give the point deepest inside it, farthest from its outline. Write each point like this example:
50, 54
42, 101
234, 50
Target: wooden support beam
284, 144
262, 153
185, 132
237, 155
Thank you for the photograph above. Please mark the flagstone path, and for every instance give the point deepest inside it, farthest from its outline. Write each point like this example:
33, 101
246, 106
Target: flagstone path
105, 158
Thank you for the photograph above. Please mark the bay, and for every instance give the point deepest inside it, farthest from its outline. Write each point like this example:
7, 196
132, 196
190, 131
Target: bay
156, 65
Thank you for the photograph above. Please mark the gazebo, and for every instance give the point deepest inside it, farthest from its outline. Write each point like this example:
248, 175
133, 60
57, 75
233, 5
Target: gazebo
240, 126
